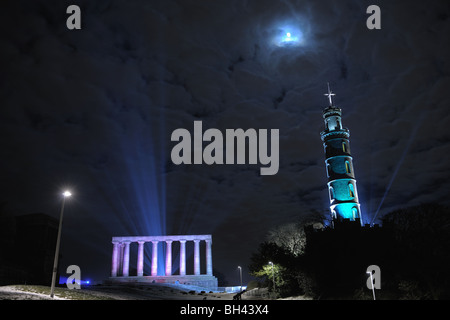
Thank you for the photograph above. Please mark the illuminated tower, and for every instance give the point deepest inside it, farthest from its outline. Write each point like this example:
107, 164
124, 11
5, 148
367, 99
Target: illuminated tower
344, 204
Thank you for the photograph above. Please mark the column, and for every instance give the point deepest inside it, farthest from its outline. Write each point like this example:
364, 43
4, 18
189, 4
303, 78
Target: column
182, 257
115, 259
126, 259
196, 257
208, 258
168, 257
155, 258
120, 266
140, 263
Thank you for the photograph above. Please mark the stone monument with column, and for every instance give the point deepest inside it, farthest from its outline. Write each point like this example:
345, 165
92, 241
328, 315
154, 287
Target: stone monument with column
120, 268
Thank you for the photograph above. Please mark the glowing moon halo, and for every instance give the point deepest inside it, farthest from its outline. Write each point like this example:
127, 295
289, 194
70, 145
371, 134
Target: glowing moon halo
289, 39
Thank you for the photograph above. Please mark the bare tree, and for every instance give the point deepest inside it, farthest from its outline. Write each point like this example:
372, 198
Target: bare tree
292, 236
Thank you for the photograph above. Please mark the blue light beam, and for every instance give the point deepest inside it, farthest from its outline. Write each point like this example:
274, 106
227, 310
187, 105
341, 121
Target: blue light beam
399, 163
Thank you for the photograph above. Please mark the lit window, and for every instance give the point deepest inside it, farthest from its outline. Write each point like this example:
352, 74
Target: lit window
333, 214
344, 147
355, 212
331, 193
347, 167
351, 190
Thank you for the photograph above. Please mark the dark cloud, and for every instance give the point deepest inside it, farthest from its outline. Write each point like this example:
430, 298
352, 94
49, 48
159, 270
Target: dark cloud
94, 109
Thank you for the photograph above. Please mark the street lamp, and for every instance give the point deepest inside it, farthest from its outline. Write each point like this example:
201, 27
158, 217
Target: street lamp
240, 272
66, 194
273, 275
371, 282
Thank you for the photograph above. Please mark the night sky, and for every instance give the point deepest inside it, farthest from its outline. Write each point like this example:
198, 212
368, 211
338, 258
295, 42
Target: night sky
93, 110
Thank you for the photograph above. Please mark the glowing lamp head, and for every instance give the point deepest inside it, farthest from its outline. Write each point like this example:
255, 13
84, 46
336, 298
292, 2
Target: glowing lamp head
66, 194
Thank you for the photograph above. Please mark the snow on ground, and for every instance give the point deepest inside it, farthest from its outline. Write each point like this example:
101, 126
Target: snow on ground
155, 292
118, 292
147, 292
13, 293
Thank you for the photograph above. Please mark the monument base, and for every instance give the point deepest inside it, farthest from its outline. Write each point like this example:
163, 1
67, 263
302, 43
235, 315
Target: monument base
205, 281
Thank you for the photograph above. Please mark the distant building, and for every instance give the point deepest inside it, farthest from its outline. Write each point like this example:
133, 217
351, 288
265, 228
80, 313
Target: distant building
344, 204
28, 257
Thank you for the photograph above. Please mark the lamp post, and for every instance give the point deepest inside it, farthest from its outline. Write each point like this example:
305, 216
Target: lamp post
240, 273
273, 275
371, 282
66, 194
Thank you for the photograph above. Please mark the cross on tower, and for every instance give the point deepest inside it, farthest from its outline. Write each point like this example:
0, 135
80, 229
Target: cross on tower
329, 94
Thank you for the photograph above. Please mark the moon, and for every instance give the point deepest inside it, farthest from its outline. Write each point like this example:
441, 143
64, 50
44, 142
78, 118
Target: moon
289, 37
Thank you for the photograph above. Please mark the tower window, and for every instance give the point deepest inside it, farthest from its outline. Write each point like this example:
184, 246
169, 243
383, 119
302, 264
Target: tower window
338, 125
351, 190
354, 212
347, 167
344, 147
328, 170
331, 194
333, 214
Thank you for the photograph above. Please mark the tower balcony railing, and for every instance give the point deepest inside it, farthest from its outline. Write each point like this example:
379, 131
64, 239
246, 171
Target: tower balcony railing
343, 132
